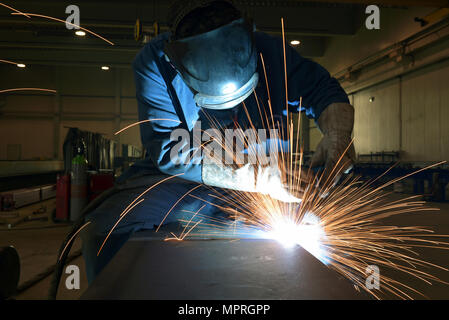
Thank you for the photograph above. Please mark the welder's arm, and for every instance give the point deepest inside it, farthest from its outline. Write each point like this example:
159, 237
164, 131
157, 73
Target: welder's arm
267, 180
155, 103
336, 123
325, 101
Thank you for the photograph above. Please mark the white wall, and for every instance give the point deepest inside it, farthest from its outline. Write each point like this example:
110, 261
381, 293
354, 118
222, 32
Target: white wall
377, 123
409, 114
410, 111
425, 114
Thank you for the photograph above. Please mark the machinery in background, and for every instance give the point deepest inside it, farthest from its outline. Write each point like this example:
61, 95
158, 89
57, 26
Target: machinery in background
78, 180
15, 199
144, 33
86, 155
90, 166
432, 183
97, 183
130, 154
99, 151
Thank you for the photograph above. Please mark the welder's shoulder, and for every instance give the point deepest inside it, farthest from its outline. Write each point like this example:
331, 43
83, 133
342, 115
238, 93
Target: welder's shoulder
147, 58
266, 42
262, 37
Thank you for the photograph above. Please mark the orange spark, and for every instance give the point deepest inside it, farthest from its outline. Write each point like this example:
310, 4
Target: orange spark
27, 89
10, 62
147, 190
176, 203
72, 237
65, 22
143, 121
15, 10
115, 226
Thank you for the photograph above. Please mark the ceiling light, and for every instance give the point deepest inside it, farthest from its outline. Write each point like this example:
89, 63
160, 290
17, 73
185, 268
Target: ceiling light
104, 68
295, 42
80, 33
21, 65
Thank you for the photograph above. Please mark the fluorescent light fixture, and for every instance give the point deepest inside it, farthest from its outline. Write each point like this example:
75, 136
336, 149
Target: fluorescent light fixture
80, 33
105, 68
21, 65
295, 42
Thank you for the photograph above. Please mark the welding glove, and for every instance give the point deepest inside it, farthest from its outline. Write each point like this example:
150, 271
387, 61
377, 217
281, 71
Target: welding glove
248, 178
336, 123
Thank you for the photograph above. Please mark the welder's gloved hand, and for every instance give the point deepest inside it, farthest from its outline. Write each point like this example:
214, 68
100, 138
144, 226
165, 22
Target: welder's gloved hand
270, 181
336, 123
267, 180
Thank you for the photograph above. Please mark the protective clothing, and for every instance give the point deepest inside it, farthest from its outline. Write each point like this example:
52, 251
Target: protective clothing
250, 178
219, 66
162, 94
181, 8
336, 123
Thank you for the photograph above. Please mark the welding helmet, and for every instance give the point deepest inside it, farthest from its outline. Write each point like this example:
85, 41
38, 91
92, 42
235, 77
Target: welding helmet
219, 66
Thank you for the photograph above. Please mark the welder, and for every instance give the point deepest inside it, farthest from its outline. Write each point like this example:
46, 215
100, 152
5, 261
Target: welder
203, 70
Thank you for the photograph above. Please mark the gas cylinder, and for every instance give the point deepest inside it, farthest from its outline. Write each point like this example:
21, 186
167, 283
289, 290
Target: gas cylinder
78, 182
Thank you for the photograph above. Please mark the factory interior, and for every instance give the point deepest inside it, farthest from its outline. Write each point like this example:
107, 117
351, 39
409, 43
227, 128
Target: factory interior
74, 74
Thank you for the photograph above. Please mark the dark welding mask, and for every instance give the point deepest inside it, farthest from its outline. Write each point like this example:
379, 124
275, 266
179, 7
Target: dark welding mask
219, 66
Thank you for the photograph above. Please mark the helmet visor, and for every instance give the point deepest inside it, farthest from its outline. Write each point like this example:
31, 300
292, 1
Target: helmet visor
219, 66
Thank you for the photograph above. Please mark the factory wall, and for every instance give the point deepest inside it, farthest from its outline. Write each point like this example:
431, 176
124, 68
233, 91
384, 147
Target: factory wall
34, 125
395, 24
407, 112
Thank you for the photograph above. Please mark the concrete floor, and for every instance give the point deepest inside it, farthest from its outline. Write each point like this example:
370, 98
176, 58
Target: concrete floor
38, 242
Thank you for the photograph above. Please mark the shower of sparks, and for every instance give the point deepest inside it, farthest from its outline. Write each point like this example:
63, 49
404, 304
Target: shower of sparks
341, 225
65, 22
184, 234
344, 230
15, 10
27, 89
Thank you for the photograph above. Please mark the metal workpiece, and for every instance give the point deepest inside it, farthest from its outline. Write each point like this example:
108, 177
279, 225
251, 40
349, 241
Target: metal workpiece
150, 268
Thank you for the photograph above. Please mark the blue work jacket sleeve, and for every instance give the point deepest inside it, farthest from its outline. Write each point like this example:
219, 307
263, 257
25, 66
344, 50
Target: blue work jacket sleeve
306, 79
312, 82
154, 104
